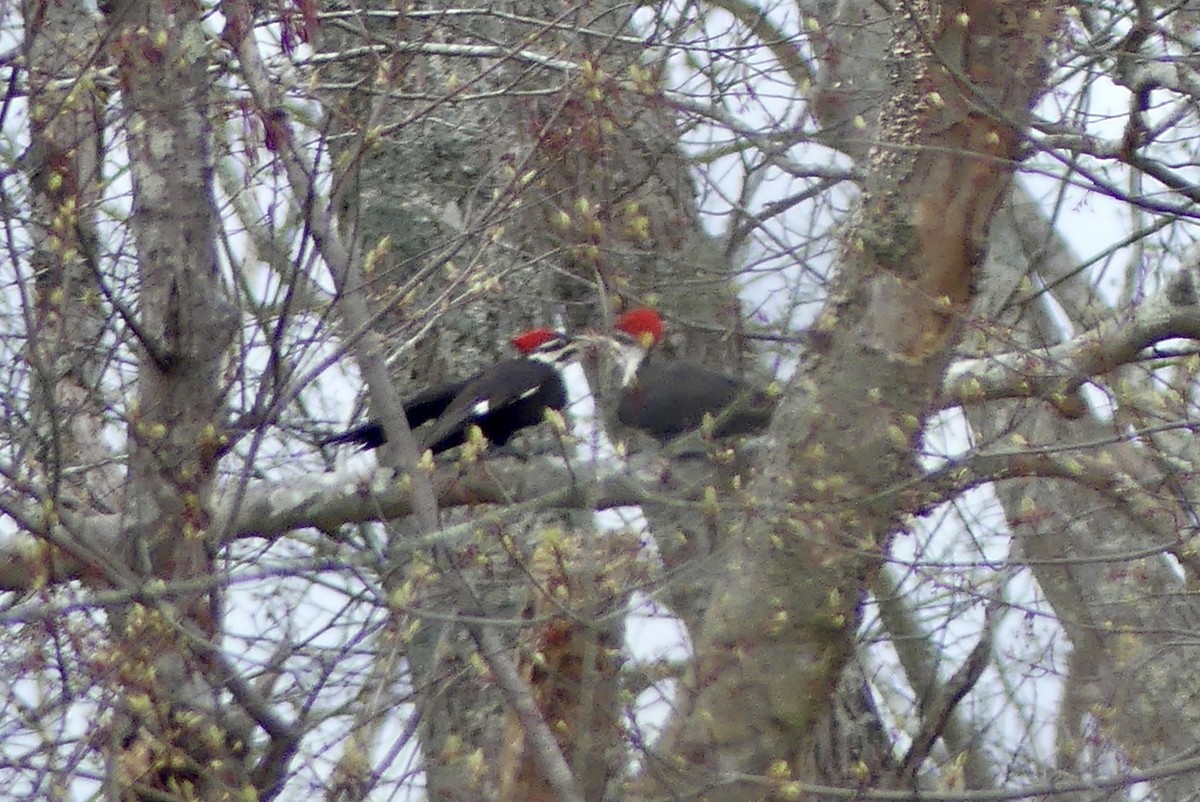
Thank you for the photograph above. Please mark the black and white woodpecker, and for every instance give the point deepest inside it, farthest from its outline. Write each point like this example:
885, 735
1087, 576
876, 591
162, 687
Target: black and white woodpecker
667, 398
507, 397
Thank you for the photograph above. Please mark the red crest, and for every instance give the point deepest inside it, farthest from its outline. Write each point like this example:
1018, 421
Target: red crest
643, 324
529, 341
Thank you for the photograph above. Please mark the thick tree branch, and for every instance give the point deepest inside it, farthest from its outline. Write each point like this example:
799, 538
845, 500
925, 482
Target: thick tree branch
847, 427
272, 509
1056, 372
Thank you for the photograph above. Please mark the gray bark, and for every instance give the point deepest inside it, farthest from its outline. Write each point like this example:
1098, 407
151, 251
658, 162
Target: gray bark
65, 353
1139, 679
766, 666
182, 327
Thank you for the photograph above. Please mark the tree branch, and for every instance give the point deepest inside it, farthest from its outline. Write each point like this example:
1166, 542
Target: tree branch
918, 656
537, 734
1055, 373
272, 509
938, 707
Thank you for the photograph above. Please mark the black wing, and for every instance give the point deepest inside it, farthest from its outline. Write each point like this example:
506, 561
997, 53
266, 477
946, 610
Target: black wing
369, 435
429, 404
502, 401
419, 409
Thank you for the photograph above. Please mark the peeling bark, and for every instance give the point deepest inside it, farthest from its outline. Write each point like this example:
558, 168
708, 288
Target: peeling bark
847, 425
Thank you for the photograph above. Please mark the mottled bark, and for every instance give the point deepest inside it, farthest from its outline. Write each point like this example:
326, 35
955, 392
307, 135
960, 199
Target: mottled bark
963, 78
1111, 615
182, 327
184, 324
67, 314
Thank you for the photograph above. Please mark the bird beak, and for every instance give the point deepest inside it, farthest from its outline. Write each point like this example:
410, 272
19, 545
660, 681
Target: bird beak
591, 341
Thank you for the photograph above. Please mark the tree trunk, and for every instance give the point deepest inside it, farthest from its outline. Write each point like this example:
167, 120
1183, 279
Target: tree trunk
170, 739
1098, 607
847, 424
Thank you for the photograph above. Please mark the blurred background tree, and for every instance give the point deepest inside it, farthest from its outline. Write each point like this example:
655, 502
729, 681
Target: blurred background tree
959, 564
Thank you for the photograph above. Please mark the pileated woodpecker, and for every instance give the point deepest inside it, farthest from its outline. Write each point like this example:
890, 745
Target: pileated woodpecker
423, 407
667, 398
502, 400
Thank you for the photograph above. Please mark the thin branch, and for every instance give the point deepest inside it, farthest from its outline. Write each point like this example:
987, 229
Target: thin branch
919, 661
440, 49
938, 708
347, 276
537, 734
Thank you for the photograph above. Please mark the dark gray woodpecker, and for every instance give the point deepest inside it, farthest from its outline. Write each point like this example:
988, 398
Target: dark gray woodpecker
667, 398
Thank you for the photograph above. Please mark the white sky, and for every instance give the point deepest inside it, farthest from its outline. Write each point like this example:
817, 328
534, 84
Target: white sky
1089, 221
